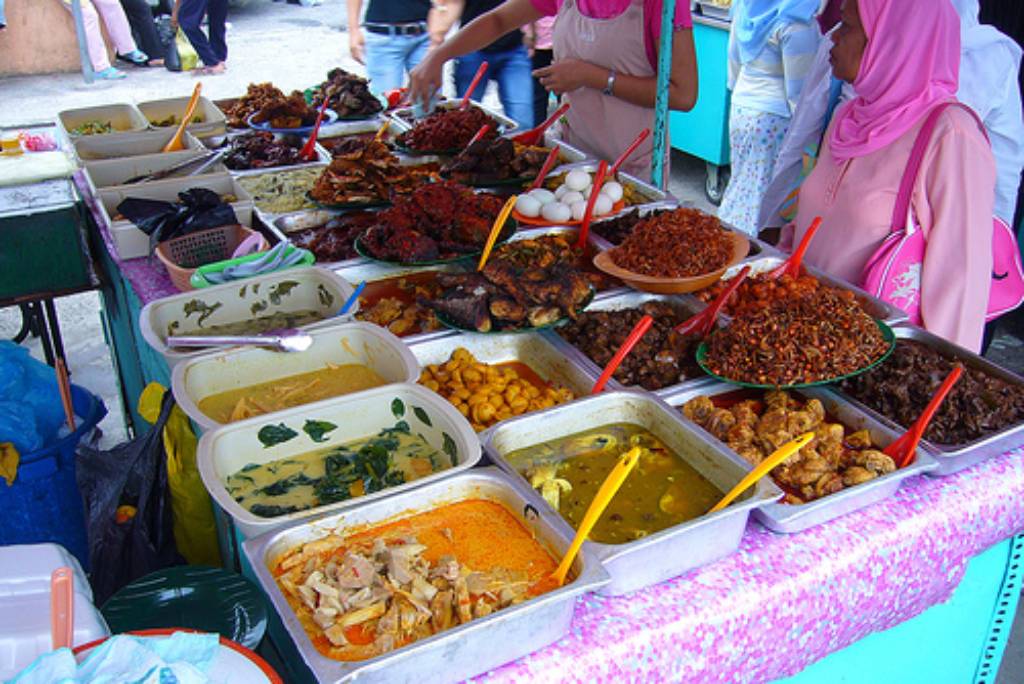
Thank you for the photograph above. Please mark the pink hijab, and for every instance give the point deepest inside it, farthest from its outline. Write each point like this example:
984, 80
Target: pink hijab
910, 64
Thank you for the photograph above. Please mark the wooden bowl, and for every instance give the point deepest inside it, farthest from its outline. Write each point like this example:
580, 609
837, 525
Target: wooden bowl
637, 281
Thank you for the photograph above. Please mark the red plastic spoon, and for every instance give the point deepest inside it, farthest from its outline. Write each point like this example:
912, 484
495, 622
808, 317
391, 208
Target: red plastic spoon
702, 324
639, 330
534, 135
309, 149
472, 85
793, 263
602, 170
546, 169
630, 150
902, 450
479, 135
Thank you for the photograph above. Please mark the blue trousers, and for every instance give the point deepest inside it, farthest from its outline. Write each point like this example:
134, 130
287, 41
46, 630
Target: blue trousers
390, 58
212, 50
511, 69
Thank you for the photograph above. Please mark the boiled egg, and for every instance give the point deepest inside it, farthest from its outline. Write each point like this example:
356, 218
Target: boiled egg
543, 196
613, 190
528, 206
556, 212
571, 198
578, 210
577, 180
602, 205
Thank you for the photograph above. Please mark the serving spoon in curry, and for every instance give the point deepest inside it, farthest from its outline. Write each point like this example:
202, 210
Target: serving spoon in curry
283, 339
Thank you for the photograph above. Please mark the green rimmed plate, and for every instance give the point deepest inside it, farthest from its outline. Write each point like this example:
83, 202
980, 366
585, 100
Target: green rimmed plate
511, 226
887, 334
448, 323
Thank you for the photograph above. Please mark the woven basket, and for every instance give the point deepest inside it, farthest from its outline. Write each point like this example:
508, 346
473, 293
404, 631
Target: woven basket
183, 255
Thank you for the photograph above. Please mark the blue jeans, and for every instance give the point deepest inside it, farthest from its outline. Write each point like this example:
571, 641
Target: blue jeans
389, 58
212, 50
511, 69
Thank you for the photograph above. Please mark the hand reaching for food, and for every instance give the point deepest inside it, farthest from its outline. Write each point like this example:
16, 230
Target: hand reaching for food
567, 75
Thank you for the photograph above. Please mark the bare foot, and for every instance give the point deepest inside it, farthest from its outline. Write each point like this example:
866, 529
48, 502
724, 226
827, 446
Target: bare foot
214, 70
156, 62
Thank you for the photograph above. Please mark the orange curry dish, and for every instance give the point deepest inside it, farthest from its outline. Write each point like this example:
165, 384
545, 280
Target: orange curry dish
391, 584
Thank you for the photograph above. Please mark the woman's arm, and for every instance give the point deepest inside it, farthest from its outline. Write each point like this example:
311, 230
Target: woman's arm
958, 180
425, 79
570, 74
799, 44
356, 40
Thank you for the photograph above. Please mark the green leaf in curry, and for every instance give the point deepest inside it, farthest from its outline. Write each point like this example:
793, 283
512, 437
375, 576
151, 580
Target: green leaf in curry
325, 297
241, 292
258, 307
317, 429
397, 407
281, 289
270, 435
448, 444
422, 415
198, 306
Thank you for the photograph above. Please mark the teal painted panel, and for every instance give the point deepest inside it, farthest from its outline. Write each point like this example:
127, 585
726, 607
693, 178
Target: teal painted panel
943, 644
704, 131
29, 264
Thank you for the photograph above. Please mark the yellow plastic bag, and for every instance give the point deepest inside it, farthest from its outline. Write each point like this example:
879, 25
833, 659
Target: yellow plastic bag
186, 53
195, 532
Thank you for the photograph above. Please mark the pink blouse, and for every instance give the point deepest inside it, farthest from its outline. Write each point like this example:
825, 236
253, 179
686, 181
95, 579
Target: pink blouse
606, 9
952, 200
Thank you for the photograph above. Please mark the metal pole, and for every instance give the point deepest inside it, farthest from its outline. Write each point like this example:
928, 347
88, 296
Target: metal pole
668, 15
83, 43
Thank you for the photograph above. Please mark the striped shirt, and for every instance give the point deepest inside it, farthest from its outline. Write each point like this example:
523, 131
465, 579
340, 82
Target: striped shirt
771, 82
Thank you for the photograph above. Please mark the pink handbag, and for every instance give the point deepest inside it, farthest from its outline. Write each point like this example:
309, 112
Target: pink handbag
893, 272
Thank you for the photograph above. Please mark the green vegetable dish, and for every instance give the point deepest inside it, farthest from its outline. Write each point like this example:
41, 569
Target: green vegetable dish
392, 457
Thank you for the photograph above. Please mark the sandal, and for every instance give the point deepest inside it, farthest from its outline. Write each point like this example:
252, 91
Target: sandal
110, 74
135, 58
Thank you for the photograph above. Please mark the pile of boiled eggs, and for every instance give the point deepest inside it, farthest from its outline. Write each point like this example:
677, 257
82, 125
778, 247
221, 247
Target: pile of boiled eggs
569, 201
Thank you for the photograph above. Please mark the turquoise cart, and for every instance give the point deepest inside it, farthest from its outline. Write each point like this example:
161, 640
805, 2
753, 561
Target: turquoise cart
703, 132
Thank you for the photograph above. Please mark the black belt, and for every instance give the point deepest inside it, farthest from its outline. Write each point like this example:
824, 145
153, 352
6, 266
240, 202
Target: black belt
414, 29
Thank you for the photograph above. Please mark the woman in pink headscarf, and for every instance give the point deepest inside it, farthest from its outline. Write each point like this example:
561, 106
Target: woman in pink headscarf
902, 57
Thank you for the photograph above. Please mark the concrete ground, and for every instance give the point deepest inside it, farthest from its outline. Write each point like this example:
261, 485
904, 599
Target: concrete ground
293, 47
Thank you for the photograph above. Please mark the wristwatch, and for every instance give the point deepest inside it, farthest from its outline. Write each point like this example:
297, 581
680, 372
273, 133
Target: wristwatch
610, 84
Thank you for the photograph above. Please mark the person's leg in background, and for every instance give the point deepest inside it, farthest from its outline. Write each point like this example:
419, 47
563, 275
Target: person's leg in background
118, 28
515, 86
540, 59
140, 16
190, 18
94, 42
385, 61
416, 50
217, 14
3, 17
465, 70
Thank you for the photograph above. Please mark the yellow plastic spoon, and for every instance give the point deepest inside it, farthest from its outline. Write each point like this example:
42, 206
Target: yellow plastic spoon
777, 457
604, 496
382, 130
176, 143
499, 223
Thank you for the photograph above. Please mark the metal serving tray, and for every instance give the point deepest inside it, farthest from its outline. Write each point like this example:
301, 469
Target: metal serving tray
402, 117
463, 651
671, 552
875, 307
953, 458
536, 351
790, 518
323, 158
651, 193
627, 299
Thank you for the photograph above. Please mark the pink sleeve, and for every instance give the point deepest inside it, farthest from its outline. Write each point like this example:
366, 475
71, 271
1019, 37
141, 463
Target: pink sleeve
548, 8
958, 182
652, 25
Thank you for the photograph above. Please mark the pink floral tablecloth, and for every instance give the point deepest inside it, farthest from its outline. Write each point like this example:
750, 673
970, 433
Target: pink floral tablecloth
818, 591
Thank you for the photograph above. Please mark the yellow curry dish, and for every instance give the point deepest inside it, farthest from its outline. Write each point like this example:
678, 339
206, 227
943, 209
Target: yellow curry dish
294, 390
390, 458
663, 490
386, 586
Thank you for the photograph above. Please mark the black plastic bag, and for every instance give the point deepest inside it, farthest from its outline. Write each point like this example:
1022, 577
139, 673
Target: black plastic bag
196, 209
172, 60
124, 547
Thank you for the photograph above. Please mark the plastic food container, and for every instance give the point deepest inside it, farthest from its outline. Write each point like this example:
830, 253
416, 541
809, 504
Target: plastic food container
106, 173
122, 145
360, 343
25, 595
132, 243
463, 651
124, 118
953, 458
670, 552
789, 518
213, 120
314, 289
227, 449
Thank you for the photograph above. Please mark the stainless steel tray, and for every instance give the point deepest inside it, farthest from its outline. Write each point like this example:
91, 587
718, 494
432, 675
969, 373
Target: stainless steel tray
323, 158
462, 651
625, 299
790, 518
874, 306
537, 351
402, 117
953, 458
671, 552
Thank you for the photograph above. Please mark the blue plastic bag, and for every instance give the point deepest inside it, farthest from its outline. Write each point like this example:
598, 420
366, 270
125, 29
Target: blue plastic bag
31, 412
